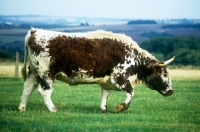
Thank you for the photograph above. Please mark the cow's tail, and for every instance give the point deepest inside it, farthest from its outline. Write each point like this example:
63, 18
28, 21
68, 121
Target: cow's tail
24, 69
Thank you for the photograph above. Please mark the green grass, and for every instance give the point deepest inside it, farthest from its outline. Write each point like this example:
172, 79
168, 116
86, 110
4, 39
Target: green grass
78, 109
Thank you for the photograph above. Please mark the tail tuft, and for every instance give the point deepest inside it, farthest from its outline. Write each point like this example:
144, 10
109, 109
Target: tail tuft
24, 73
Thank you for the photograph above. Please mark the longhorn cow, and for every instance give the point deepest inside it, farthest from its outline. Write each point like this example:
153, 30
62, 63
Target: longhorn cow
114, 61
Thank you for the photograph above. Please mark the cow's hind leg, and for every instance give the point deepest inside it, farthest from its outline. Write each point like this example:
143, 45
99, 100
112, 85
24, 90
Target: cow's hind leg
29, 85
104, 96
45, 88
125, 105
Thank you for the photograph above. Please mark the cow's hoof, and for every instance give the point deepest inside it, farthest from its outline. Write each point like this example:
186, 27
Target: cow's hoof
53, 109
103, 110
21, 108
120, 107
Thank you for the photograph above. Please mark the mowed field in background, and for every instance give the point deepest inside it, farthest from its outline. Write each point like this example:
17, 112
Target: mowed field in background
78, 107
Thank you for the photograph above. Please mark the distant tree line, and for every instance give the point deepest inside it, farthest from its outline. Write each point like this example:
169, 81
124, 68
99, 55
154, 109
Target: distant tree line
173, 26
151, 34
141, 22
8, 50
185, 48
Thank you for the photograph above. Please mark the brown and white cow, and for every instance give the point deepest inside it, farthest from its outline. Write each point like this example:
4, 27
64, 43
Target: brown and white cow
114, 61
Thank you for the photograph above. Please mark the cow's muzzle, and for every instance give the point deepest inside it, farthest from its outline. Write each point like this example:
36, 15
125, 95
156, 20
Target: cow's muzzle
168, 93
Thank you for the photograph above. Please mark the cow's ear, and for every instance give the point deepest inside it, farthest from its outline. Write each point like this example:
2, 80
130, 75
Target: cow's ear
156, 67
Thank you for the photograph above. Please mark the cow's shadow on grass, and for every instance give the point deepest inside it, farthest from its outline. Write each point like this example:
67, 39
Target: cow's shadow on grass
73, 110
8, 107
67, 108
94, 109
76, 108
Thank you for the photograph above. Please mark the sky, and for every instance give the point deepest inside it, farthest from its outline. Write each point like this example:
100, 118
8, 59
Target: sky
132, 9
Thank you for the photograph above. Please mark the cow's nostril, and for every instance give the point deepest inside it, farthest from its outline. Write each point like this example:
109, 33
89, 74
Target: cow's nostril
170, 92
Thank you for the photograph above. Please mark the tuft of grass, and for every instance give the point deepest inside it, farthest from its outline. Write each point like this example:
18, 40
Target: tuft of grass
78, 109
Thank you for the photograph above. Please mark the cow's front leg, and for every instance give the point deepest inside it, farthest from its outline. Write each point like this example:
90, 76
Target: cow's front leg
125, 105
104, 96
46, 94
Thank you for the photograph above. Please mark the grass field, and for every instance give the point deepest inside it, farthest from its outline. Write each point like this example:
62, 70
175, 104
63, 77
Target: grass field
78, 107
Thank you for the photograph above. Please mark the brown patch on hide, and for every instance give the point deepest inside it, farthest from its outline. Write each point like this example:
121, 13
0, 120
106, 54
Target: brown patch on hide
99, 55
35, 48
43, 82
128, 88
33, 32
120, 80
123, 82
143, 66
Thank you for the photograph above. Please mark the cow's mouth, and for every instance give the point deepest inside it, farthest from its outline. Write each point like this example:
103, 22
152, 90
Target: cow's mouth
168, 93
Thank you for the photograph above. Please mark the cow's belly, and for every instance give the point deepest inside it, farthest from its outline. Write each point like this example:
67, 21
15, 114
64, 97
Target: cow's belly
102, 81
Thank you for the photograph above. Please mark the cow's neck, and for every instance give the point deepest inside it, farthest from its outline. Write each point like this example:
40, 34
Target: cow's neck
143, 65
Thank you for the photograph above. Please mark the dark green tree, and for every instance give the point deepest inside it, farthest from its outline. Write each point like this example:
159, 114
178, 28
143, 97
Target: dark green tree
185, 48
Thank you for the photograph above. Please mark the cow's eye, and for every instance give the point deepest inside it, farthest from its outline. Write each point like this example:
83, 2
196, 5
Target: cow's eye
165, 75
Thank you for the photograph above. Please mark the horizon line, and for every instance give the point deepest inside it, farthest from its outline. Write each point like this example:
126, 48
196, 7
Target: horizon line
37, 15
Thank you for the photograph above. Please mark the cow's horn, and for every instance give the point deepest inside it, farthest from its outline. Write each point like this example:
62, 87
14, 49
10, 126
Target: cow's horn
167, 62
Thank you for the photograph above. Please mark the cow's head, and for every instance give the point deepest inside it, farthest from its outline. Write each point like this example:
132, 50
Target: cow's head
160, 79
